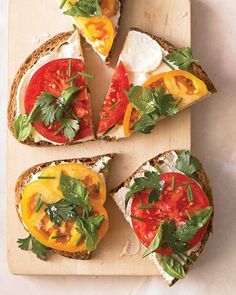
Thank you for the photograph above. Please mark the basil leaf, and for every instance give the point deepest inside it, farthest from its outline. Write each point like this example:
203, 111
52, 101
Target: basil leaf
172, 266
89, 227
188, 230
22, 127
85, 8
155, 244
73, 190
142, 99
182, 58
146, 123
187, 163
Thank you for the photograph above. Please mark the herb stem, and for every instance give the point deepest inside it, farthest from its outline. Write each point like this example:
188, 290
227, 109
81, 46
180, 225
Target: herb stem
187, 213
173, 183
46, 177
114, 105
158, 169
168, 64
58, 237
184, 183
190, 194
79, 74
137, 218
62, 4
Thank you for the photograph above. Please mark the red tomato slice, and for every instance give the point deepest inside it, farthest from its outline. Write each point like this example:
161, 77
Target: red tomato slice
171, 205
116, 101
52, 78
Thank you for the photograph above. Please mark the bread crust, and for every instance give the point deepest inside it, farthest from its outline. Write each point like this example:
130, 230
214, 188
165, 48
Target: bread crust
204, 182
25, 177
30, 61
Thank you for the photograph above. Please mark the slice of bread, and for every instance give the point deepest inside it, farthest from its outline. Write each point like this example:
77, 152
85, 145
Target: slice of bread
166, 46
46, 48
204, 183
26, 177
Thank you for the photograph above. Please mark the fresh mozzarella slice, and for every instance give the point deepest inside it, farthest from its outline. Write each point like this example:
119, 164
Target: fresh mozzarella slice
141, 53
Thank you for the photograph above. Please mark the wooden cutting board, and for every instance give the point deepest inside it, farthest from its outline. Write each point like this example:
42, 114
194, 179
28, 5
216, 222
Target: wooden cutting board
30, 24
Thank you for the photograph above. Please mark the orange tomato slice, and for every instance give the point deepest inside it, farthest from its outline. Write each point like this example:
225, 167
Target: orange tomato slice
131, 117
39, 223
109, 7
99, 31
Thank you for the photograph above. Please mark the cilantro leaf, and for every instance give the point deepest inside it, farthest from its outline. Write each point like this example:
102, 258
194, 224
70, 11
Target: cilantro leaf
151, 180
70, 128
73, 190
171, 240
84, 8
182, 58
89, 227
22, 127
39, 249
172, 266
48, 108
24, 243
143, 99
167, 105
185, 232
60, 211
146, 123
155, 244
187, 163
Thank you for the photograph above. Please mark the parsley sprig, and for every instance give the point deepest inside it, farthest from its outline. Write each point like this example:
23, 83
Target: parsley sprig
188, 164
152, 103
182, 58
39, 249
151, 180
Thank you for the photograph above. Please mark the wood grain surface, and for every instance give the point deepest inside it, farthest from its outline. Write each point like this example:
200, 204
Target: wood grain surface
30, 24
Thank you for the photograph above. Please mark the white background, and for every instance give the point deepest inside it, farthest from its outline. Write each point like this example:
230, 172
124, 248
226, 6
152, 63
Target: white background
213, 141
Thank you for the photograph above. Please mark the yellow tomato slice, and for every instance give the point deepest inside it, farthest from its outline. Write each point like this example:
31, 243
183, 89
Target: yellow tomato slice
91, 179
99, 31
64, 237
156, 81
109, 7
131, 117
183, 84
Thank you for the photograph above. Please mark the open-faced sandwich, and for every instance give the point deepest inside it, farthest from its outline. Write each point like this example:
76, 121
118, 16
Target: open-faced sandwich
97, 20
49, 100
153, 80
61, 206
168, 203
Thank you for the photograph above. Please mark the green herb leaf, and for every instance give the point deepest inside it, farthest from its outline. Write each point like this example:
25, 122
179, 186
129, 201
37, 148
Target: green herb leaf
39, 249
187, 163
79, 74
170, 238
155, 244
137, 218
22, 128
68, 94
146, 123
172, 266
24, 243
89, 227
151, 180
63, 2
188, 230
167, 105
60, 211
182, 58
48, 108
85, 8
70, 127
73, 190
114, 105
143, 99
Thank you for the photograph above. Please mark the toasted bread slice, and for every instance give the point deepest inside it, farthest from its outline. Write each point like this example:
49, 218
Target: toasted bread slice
34, 61
94, 163
143, 56
166, 162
